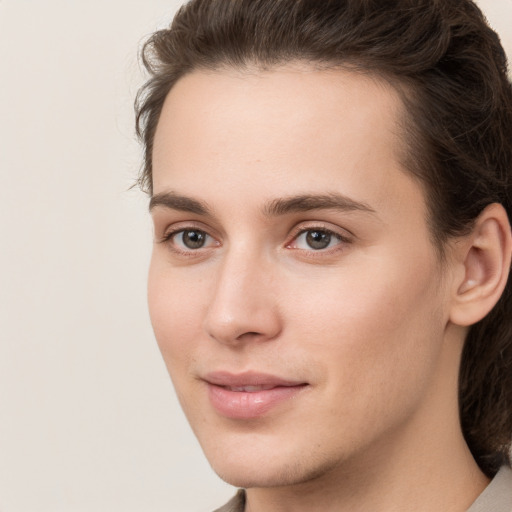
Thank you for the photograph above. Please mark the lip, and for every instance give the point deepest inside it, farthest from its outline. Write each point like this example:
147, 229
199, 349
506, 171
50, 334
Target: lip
250, 394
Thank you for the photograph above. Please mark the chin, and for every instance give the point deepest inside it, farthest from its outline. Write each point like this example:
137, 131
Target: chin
262, 476
265, 468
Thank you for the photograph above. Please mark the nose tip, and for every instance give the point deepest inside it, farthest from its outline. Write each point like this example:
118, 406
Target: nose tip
243, 307
237, 329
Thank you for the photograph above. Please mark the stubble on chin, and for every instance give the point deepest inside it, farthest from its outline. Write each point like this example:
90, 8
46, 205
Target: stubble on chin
301, 471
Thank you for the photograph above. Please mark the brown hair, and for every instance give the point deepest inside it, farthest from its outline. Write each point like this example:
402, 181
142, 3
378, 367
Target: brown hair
451, 71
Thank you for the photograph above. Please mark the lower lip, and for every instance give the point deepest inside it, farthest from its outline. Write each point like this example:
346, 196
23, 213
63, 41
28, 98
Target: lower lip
244, 405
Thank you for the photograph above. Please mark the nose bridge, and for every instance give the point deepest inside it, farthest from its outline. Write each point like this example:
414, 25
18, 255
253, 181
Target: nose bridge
243, 304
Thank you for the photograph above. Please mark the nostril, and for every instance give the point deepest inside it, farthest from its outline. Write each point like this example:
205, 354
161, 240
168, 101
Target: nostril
249, 334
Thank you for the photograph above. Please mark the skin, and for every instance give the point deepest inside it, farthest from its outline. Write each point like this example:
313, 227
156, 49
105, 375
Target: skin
365, 322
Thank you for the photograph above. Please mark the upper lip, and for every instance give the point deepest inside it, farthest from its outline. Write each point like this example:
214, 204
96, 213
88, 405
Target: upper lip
249, 378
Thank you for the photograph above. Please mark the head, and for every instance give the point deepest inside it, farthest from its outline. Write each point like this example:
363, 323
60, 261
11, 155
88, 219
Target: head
445, 71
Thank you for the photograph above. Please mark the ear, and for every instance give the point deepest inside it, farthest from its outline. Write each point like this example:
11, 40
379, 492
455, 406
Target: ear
484, 258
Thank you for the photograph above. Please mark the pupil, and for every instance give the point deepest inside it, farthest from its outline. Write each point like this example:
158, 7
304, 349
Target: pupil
318, 239
193, 239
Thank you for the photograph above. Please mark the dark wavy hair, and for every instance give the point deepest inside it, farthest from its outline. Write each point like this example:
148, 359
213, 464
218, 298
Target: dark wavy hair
451, 72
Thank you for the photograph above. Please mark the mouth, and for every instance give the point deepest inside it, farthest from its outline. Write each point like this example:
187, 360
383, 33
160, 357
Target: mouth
249, 389
249, 395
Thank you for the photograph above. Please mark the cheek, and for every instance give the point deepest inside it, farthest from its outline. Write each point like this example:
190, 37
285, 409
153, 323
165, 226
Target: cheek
377, 296
175, 314
375, 332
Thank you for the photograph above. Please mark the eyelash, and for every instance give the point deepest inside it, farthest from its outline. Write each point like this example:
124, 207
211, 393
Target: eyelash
168, 239
332, 235
341, 240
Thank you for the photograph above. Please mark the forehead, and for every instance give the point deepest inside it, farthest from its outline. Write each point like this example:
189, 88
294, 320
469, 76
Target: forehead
292, 127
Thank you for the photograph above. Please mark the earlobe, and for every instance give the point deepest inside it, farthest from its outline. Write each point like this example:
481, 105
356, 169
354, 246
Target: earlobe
486, 256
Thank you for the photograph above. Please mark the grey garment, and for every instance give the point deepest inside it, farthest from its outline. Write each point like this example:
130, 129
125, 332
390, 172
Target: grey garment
235, 504
497, 497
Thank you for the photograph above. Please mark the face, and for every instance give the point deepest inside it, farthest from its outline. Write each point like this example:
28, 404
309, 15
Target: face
294, 291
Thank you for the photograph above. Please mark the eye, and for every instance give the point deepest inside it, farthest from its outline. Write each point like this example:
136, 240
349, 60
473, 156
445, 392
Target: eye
316, 240
189, 239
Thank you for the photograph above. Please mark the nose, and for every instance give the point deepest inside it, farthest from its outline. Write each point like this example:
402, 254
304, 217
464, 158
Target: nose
244, 304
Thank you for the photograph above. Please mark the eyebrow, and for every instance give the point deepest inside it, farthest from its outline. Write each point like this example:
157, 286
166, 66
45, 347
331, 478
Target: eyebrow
174, 201
276, 207
308, 202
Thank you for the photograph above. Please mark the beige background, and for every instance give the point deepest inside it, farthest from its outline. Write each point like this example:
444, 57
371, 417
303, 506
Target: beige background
88, 418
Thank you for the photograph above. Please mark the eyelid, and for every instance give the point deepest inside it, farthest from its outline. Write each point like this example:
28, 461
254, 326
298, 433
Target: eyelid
171, 234
174, 229
342, 233
343, 236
